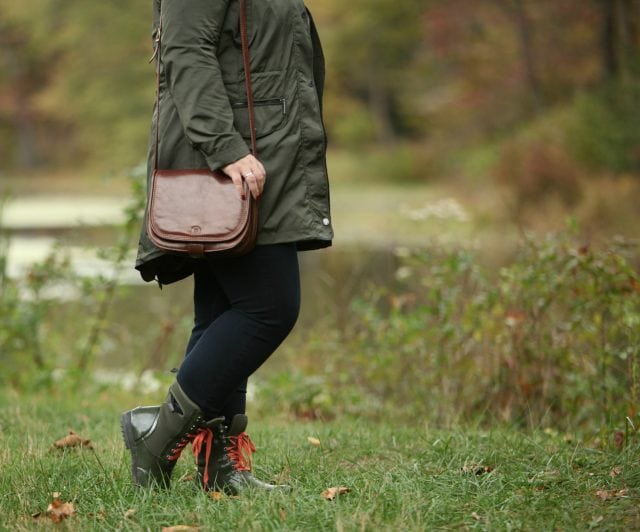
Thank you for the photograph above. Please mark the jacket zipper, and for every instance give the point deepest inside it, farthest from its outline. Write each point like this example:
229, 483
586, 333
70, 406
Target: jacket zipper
261, 103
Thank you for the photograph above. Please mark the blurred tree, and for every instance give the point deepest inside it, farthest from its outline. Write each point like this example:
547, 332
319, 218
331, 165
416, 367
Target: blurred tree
76, 73
620, 38
518, 12
23, 70
371, 47
502, 58
75, 86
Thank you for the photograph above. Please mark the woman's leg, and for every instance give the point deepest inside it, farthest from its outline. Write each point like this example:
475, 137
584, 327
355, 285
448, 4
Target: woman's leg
263, 291
209, 302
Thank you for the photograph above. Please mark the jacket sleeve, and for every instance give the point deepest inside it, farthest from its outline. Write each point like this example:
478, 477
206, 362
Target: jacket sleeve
189, 42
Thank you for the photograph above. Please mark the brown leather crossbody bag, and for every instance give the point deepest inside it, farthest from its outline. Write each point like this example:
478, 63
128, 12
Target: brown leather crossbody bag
200, 211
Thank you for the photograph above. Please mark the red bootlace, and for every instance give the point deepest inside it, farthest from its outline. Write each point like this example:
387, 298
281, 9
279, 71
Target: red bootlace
204, 437
177, 450
240, 451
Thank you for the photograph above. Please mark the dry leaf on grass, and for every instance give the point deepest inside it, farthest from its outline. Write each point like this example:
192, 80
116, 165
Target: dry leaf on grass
476, 469
283, 515
618, 440
73, 439
331, 493
129, 513
216, 495
313, 441
58, 510
476, 516
180, 528
609, 494
615, 472
100, 514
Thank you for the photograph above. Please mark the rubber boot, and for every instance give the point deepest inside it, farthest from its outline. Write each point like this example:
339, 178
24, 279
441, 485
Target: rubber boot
223, 457
156, 435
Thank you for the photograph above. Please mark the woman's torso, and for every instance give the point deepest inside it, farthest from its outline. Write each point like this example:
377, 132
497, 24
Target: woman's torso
288, 75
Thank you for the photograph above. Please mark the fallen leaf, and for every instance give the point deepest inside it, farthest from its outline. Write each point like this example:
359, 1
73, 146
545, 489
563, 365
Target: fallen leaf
514, 318
313, 441
476, 516
100, 514
58, 510
216, 495
618, 440
129, 513
283, 515
476, 469
187, 477
180, 528
615, 472
73, 440
331, 493
608, 494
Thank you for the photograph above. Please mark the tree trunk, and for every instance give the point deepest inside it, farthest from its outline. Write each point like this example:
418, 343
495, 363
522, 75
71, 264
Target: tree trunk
609, 48
516, 10
19, 88
379, 105
527, 51
620, 37
629, 32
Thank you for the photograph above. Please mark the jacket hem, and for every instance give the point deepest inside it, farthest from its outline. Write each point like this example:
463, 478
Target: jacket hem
166, 268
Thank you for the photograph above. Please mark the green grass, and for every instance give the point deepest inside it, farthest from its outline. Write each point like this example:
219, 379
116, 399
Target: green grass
402, 477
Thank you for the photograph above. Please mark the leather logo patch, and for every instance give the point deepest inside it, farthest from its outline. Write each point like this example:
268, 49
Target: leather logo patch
195, 229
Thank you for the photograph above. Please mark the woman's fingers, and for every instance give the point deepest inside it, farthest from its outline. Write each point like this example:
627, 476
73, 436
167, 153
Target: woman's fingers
250, 170
254, 174
252, 181
238, 182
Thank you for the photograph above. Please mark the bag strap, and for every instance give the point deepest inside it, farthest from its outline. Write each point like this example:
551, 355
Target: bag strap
246, 60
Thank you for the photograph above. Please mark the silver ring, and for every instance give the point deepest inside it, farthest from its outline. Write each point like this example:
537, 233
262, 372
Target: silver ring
248, 174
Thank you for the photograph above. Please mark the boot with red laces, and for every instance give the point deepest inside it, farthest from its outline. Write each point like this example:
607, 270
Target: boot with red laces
223, 457
156, 436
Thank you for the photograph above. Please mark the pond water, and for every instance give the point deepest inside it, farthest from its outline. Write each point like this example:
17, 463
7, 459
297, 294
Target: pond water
149, 326
156, 320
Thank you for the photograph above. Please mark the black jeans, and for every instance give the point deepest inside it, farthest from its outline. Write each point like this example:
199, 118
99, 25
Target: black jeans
244, 308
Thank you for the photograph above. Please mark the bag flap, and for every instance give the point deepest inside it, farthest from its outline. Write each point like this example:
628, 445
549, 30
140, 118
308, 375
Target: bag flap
196, 205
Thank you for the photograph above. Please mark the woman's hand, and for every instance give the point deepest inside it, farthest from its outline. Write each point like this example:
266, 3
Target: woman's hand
250, 170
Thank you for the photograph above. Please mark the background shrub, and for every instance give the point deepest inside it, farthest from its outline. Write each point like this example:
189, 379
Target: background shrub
552, 338
535, 171
605, 133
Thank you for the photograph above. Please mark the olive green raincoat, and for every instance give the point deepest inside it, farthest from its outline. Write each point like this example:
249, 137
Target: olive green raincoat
204, 119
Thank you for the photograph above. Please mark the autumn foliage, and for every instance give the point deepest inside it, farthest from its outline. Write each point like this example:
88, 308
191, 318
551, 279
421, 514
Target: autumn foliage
454, 70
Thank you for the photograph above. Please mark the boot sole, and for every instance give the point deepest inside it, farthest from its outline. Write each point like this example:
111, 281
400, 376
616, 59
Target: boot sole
129, 442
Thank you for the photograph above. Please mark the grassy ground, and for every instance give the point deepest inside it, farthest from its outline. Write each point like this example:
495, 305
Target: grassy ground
407, 478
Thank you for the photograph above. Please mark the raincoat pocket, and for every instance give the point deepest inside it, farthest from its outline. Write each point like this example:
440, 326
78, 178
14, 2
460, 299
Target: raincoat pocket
270, 115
